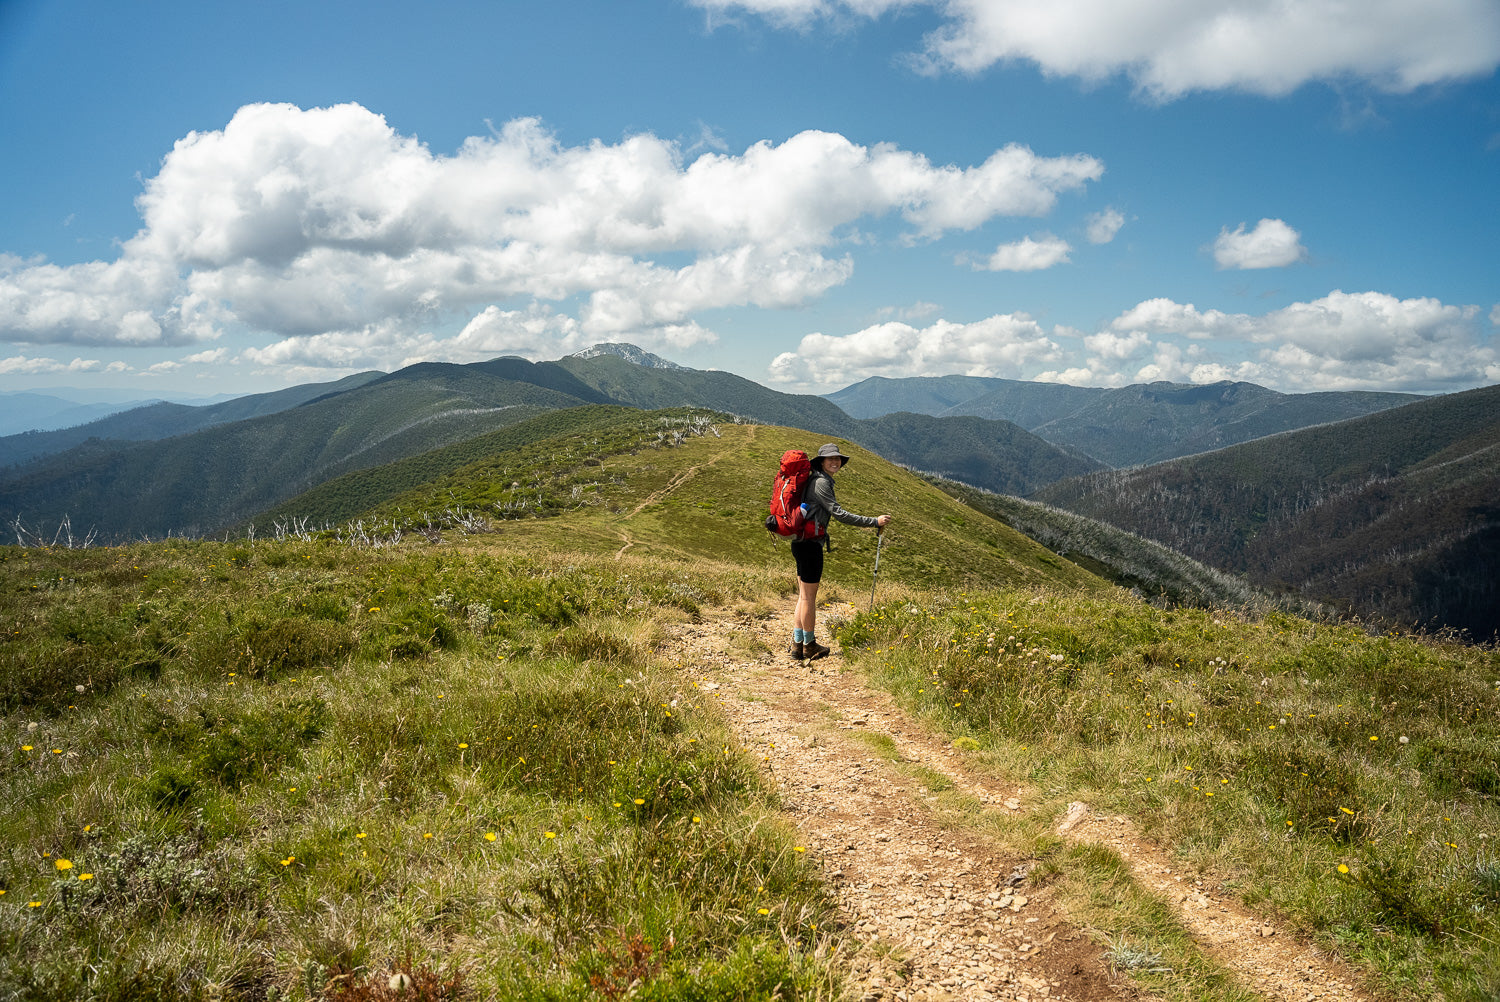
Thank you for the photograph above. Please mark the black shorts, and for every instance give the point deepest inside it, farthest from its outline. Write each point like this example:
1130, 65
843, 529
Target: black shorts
809, 556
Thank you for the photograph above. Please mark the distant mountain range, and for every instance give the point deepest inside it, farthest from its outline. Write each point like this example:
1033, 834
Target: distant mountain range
65, 407
165, 469
1391, 513
1395, 515
20, 412
160, 419
1130, 426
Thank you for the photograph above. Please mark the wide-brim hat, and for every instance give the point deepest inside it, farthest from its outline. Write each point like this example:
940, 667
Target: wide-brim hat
829, 451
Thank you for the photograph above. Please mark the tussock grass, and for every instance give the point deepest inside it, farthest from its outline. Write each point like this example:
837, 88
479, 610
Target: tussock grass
1343, 780
298, 769
340, 766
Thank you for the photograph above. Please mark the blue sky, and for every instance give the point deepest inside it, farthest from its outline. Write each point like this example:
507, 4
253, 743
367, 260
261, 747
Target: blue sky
205, 198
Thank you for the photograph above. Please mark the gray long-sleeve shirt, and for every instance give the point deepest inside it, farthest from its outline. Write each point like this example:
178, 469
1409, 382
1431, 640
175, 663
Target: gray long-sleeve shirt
822, 505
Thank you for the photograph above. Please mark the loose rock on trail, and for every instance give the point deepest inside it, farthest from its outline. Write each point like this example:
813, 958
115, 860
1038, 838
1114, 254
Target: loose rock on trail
943, 914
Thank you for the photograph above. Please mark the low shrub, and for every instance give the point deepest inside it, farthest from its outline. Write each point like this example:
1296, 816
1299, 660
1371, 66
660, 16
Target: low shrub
281, 647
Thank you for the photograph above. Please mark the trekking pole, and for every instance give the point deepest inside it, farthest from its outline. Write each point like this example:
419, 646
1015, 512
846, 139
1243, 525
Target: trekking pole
879, 541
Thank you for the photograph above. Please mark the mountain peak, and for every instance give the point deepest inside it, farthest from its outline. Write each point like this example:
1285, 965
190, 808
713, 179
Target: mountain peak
630, 353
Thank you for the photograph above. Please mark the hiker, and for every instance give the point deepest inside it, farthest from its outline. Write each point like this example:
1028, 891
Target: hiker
821, 505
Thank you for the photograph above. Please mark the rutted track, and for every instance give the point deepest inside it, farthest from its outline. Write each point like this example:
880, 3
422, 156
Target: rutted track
944, 914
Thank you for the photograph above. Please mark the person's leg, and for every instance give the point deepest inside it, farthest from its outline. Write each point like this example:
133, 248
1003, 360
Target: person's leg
805, 569
807, 619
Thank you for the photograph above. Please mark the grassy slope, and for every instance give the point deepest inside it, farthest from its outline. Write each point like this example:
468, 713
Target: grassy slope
996, 455
205, 481
1344, 783
291, 762
300, 789
231, 771
706, 498
351, 495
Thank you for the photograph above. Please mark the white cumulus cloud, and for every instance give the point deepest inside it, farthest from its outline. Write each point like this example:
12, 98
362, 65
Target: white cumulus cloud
1164, 316
1272, 244
1028, 254
327, 226
212, 356
920, 310
1172, 47
1103, 225
1001, 345
1343, 341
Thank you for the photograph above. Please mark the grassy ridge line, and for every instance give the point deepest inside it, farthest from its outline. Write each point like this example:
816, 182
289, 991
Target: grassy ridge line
355, 494
705, 496
995, 454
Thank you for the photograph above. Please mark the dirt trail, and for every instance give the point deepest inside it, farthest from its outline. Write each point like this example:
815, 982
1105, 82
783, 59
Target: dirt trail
946, 915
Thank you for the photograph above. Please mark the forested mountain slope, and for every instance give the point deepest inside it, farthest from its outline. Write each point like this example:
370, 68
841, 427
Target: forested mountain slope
1395, 515
1154, 422
1129, 426
205, 481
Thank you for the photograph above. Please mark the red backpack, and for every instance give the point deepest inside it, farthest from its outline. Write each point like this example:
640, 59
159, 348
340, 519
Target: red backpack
787, 517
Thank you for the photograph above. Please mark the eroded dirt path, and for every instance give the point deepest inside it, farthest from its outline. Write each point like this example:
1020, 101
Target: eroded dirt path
946, 915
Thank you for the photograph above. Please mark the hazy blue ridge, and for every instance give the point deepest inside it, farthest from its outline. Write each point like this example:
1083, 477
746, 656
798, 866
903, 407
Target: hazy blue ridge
1129, 426
996, 455
23, 412
162, 420
201, 482
878, 395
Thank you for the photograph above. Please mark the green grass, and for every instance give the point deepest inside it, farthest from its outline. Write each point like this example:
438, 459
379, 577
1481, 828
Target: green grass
688, 486
1343, 780
311, 767
298, 768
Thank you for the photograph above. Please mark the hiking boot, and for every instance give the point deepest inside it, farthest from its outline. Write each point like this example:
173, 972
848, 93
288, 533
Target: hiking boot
813, 650
797, 652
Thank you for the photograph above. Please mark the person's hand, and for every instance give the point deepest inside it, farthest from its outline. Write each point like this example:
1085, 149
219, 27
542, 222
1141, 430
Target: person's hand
882, 520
